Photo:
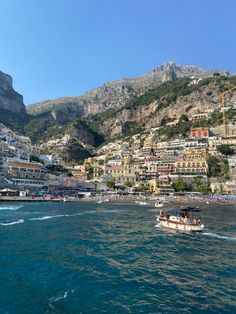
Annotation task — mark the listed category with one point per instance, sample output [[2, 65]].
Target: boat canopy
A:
[[189, 209]]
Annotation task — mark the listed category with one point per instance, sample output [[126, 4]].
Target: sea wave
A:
[[20, 221], [218, 236], [10, 207], [55, 216], [110, 211]]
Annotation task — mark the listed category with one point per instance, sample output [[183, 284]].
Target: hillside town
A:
[[201, 163]]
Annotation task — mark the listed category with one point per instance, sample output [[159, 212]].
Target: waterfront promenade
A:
[[150, 200]]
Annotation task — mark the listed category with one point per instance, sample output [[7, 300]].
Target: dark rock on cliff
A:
[[9, 99]]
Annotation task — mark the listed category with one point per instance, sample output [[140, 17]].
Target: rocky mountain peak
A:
[[170, 71], [167, 66]]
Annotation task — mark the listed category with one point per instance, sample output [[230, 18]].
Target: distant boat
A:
[[181, 220], [103, 201], [159, 204], [141, 203]]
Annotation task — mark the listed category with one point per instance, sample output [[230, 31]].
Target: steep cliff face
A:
[[9, 99], [127, 120], [168, 101]]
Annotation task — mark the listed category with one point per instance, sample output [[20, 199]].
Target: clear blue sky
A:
[[56, 48]]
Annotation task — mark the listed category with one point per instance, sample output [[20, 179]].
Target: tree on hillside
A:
[[225, 149], [197, 180], [213, 166], [141, 188], [129, 184], [58, 168], [35, 158], [183, 118], [180, 185], [110, 184], [217, 166], [204, 188]]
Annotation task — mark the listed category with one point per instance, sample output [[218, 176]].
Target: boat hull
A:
[[180, 226], [159, 205]]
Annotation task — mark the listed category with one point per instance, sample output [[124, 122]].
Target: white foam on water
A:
[[218, 236], [158, 226], [55, 216], [89, 211], [108, 211], [10, 207], [43, 218], [63, 295], [30, 213], [20, 221]]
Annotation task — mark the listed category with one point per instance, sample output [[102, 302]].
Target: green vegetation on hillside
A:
[[14, 120], [167, 93], [225, 149], [74, 151], [182, 129], [217, 167], [58, 168]]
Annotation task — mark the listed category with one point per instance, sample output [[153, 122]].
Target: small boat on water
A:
[[159, 204], [141, 203], [103, 201], [181, 220]]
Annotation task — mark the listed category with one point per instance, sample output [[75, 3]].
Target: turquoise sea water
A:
[[113, 258]]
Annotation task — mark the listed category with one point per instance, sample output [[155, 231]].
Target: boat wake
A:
[[210, 234], [10, 207], [218, 236], [20, 221], [55, 216], [62, 296]]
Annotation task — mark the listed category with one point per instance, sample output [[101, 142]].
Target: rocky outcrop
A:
[[10, 100], [127, 120], [203, 98]]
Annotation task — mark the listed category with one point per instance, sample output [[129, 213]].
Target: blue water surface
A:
[[85, 257]]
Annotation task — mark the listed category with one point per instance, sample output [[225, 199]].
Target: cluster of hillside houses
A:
[[142, 162]]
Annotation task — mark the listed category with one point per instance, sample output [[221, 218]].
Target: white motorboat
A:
[[159, 204], [103, 201], [141, 203], [181, 220]]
